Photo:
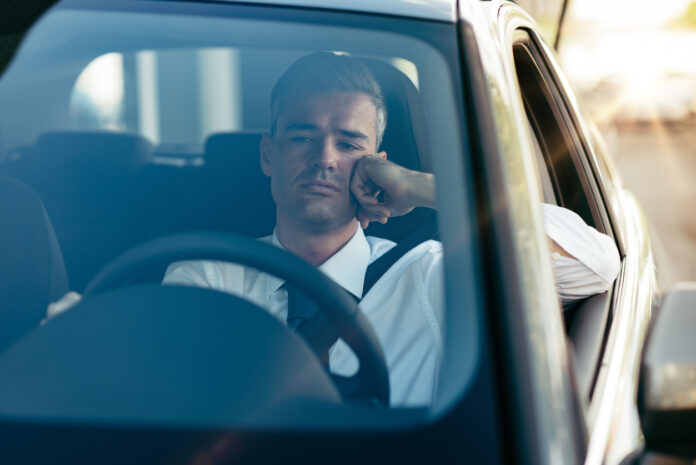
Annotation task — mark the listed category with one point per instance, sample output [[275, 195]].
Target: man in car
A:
[[329, 181]]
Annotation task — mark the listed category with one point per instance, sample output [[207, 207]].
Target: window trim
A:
[[593, 316]]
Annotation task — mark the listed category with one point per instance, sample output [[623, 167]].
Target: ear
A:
[[265, 149], [382, 155]]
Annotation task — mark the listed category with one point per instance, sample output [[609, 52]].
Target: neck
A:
[[313, 245]]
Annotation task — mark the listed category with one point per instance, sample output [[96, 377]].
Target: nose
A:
[[326, 156]]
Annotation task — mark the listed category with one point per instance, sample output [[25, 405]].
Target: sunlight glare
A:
[[102, 80]]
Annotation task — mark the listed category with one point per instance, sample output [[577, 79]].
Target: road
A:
[[659, 166]]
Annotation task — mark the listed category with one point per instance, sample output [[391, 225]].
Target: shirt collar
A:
[[347, 266]]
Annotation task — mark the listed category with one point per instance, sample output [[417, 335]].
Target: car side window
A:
[[562, 163], [548, 191]]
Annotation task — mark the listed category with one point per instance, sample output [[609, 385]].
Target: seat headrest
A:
[[234, 149], [94, 162], [110, 150], [405, 138], [405, 141], [234, 175]]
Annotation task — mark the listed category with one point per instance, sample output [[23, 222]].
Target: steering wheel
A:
[[340, 309]]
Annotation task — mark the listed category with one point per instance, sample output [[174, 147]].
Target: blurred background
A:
[[633, 64]]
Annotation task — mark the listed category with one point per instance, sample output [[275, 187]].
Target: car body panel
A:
[[438, 10], [543, 323], [614, 424]]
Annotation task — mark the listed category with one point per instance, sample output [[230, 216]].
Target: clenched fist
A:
[[384, 189]]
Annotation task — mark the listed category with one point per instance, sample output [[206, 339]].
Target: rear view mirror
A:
[[668, 376]]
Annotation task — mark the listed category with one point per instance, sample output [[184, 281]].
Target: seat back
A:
[[405, 141], [85, 179], [32, 272]]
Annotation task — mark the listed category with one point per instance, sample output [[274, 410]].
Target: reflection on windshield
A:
[[140, 138]]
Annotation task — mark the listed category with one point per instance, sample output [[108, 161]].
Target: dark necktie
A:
[[314, 327], [300, 307], [305, 319], [300, 310]]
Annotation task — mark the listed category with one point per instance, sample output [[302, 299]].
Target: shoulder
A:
[[378, 246], [425, 251]]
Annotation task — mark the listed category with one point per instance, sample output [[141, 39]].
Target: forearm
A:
[[422, 192]]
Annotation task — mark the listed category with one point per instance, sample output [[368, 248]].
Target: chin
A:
[[328, 218]]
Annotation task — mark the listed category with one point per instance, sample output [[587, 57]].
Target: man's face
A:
[[311, 156]]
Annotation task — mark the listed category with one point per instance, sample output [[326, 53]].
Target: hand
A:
[[384, 189]]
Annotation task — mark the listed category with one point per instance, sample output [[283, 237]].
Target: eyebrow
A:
[[353, 134], [313, 127], [301, 127]]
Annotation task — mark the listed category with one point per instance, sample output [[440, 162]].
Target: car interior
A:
[[94, 194]]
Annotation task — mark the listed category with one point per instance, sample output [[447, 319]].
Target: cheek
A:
[[285, 170], [349, 162]]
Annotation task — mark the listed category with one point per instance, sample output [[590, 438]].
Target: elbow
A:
[[610, 266]]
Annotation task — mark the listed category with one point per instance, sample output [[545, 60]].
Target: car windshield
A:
[[131, 125]]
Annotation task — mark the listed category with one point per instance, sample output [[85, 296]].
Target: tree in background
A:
[[688, 18]]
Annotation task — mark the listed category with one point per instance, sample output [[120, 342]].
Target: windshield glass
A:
[[134, 125]]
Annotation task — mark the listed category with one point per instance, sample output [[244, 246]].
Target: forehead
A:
[[330, 111]]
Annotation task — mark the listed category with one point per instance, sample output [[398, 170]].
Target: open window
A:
[[567, 180]]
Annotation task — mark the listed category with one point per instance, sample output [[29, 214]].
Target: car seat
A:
[[32, 272], [85, 179], [233, 175], [405, 141]]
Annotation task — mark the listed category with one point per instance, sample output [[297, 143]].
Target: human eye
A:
[[299, 139], [349, 146]]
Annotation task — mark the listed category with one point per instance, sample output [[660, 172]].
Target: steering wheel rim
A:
[[341, 310]]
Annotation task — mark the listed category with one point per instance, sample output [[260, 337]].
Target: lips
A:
[[320, 187]]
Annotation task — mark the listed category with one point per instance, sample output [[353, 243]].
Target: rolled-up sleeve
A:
[[595, 263]]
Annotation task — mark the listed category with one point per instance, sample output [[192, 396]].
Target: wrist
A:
[[422, 189]]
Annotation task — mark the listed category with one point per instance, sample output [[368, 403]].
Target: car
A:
[[129, 135]]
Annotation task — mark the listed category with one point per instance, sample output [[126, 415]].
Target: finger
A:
[[376, 210], [361, 180], [364, 189], [363, 219], [367, 201]]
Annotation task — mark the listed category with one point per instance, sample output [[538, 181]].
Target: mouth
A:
[[318, 186]]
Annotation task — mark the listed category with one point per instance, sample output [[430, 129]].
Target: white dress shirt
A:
[[406, 308], [596, 261]]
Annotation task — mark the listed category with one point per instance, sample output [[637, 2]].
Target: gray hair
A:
[[326, 72]]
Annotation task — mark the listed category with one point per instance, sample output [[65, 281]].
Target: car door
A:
[[605, 332]]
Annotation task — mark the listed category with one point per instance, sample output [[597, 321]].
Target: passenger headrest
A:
[[112, 150], [239, 150], [91, 160], [234, 173]]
